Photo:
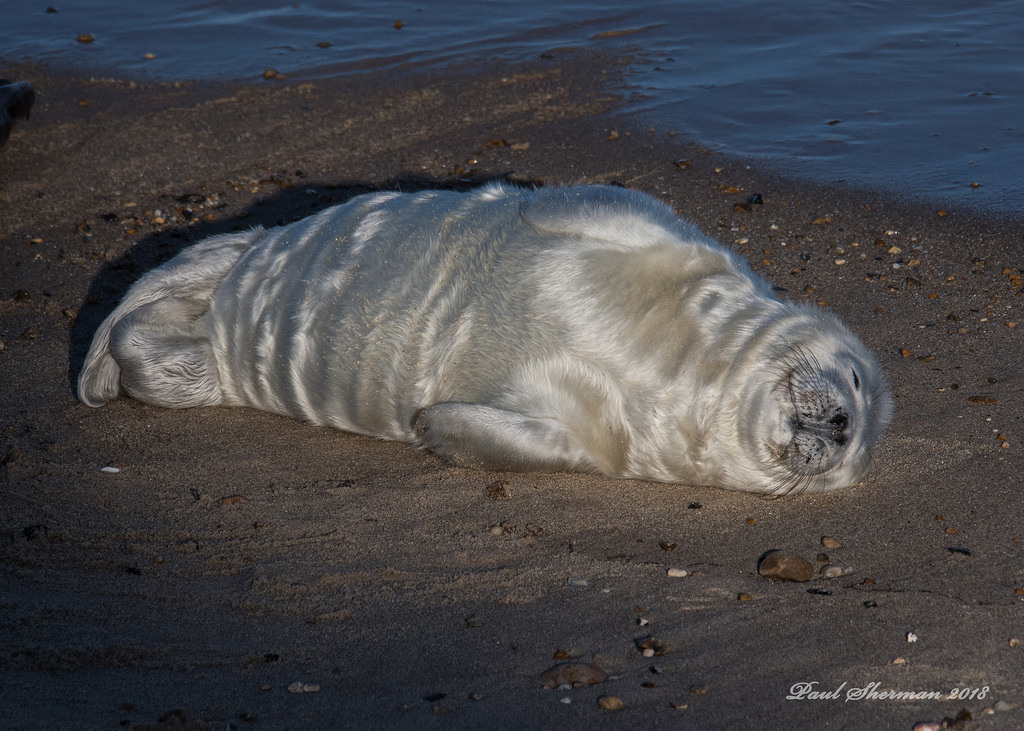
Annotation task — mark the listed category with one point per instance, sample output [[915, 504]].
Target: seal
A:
[[578, 328]]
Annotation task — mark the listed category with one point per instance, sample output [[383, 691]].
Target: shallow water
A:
[[923, 98]]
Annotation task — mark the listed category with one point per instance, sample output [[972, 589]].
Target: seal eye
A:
[[856, 380]]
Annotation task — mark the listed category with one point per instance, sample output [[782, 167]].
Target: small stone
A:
[[678, 706], [1014, 642], [831, 572], [1002, 706], [476, 696], [573, 674], [300, 687], [744, 597], [651, 646], [610, 703], [666, 546], [911, 637], [928, 726], [578, 581], [677, 573], [702, 689], [785, 567], [474, 622], [496, 530], [829, 542], [498, 490], [900, 661], [110, 469], [565, 699]]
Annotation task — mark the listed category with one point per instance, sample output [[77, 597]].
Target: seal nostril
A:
[[839, 421]]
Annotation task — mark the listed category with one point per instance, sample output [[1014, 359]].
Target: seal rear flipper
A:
[[153, 345], [165, 355], [473, 435]]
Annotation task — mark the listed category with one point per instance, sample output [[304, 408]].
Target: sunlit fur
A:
[[582, 328]]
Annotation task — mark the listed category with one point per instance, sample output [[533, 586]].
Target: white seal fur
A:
[[581, 328]]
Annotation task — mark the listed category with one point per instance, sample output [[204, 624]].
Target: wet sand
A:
[[237, 554]]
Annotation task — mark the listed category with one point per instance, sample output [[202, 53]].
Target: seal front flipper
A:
[[473, 435]]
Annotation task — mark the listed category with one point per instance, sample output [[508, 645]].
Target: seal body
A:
[[581, 328]]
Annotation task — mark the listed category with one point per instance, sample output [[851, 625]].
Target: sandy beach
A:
[[243, 570]]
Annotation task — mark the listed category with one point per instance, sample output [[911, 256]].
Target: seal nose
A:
[[833, 430], [839, 422]]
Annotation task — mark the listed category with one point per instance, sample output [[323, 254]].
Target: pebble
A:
[[829, 542], [110, 469], [573, 674], [651, 646], [677, 573], [300, 687], [911, 637], [929, 726], [610, 703], [1002, 706], [785, 567], [499, 491], [831, 572], [578, 581]]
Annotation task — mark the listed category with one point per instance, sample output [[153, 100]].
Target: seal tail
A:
[[154, 345]]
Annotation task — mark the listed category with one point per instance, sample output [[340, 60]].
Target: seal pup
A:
[[575, 328]]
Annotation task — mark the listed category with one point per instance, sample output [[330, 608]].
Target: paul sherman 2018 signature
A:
[[807, 690]]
